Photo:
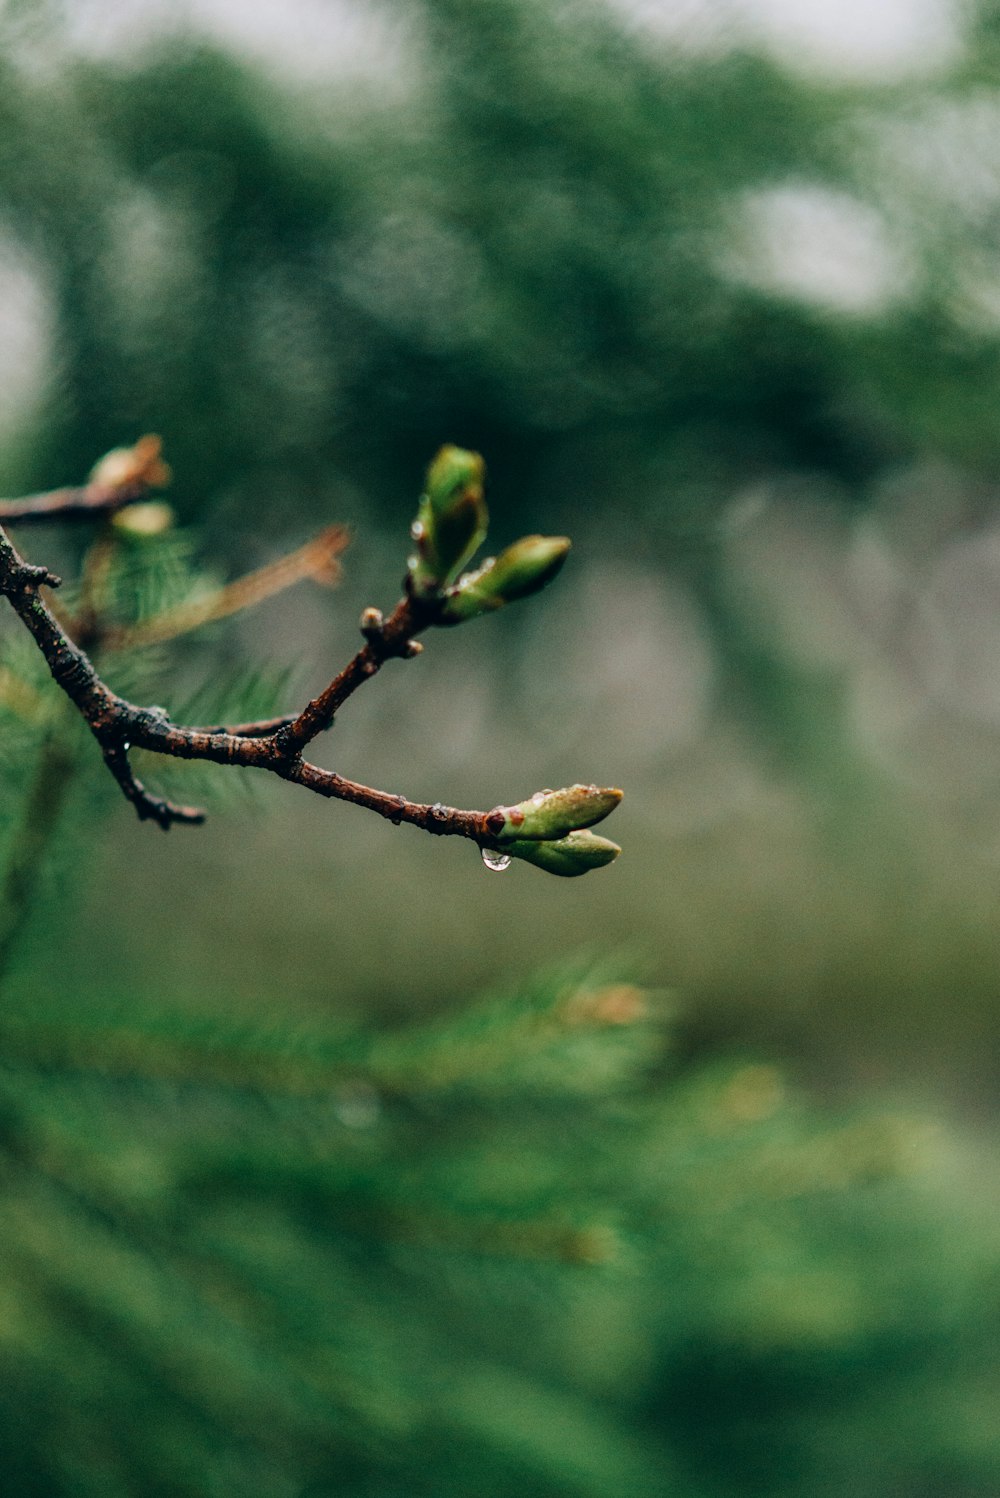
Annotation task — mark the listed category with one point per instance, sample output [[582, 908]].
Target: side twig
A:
[[317, 559], [122, 477]]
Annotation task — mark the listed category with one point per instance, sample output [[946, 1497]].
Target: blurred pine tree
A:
[[511, 1248], [518, 1247]]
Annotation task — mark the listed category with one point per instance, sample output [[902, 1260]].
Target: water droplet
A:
[[397, 816], [417, 531], [494, 860], [126, 745]]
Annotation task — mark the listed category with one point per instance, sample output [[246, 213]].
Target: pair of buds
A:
[[449, 529], [551, 829]]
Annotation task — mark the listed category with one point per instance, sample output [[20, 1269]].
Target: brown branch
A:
[[386, 638], [258, 730], [148, 807], [121, 478], [86, 503], [119, 725]]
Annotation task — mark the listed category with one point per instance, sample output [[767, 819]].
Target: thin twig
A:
[[121, 478], [393, 637], [317, 559], [85, 503], [148, 807]]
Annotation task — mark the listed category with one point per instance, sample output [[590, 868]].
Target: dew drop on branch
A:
[[494, 860]]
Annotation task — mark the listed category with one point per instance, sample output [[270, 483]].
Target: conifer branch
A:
[[317, 559], [549, 831]]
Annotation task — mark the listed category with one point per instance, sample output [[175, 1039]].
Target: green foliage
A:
[[533, 251], [516, 1246]]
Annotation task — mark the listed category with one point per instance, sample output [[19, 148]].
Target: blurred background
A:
[[714, 286]]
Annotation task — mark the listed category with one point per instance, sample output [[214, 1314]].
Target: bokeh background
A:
[[715, 288]]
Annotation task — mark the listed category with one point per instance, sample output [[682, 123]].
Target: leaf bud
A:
[[522, 569], [371, 623], [150, 519], [551, 814], [576, 853], [451, 519], [140, 466]]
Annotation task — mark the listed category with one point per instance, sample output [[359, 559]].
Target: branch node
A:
[[372, 624], [30, 579]]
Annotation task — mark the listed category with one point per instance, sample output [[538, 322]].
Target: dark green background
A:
[[733, 325]]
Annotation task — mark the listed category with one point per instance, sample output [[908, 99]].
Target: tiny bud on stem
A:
[[451, 520]]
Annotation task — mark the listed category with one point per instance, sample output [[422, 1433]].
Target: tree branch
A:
[[386, 638], [122, 477], [317, 559], [119, 725], [552, 830], [86, 503], [148, 807]]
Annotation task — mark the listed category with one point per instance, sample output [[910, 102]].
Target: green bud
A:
[[151, 518], [551, 814], [139, 466], [570, 856], [517, 572], [453, 473], [451, 520]]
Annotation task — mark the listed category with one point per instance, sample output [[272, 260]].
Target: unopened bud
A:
[[150, 519], [139, 466], [451, 520], [576, 853], [371, 623], [522, 569], [551, 814]]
